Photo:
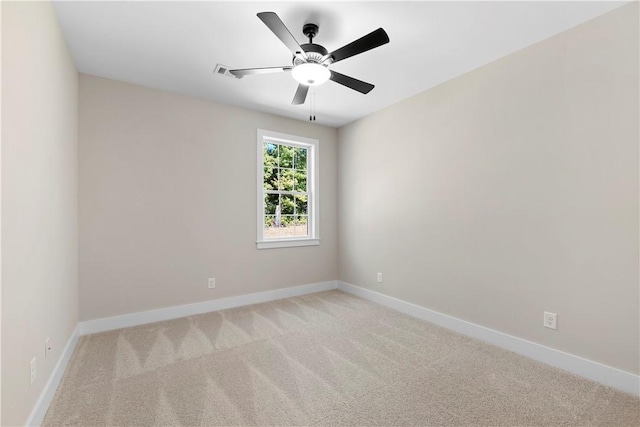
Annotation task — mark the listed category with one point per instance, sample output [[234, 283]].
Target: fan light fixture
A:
[[311, 74]]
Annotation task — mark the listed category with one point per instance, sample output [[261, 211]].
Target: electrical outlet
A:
[[34, 371], [212, 282], [550, 320], [379, 277], [47, 347]]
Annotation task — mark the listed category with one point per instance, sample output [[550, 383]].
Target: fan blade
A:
[[250, 71], [351, 83], [278, 28], [372, 40], [301, 95]]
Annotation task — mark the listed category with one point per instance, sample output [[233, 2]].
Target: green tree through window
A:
[[286, 197]]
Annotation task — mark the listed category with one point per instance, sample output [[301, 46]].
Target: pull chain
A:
[[312, 106]]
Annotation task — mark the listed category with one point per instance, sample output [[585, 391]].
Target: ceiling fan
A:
[[311, 61]]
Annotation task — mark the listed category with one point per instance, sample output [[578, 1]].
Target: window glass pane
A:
[[287, 221], [300, 158], [286, 179], [286, 156], [286, 227], [269, 221], [300, 183], [301, 227], [270, 204], [301, 204], [270, 178], [270, 154], [287, 204]]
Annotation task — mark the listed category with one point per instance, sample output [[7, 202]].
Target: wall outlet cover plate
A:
[[550, 320]]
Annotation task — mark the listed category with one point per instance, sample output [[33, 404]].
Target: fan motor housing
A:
[[314, 52]]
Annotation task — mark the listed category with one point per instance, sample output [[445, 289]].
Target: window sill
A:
[[286, 243]]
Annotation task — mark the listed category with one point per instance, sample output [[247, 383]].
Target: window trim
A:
[[313, 157]]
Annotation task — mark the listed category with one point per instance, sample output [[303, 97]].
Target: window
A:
[[287, 190]]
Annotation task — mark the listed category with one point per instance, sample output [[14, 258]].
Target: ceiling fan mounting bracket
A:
[[310, 30]]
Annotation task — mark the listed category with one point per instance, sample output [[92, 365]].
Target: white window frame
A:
[[313, 207]]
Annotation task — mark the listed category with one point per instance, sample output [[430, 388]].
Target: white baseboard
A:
[[589, 369], [168, 313], [42, 405]]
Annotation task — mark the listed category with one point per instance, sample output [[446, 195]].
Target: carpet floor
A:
[[322, 359]]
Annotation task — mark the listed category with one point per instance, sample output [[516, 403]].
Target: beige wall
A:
[[509, 191], [167, 199], [39, 201]]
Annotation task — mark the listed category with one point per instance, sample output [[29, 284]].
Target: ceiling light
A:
[[311, 74]]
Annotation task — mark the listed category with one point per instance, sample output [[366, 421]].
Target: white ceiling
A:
[[175, 46]]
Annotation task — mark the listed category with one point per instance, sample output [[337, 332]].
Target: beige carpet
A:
[[322, 359]]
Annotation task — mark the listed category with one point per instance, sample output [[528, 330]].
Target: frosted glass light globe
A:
[[311, 74]]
